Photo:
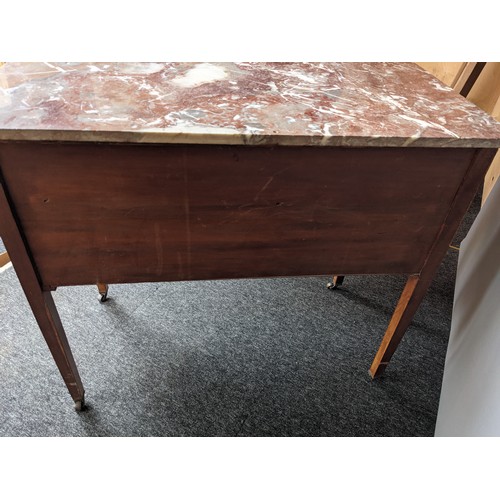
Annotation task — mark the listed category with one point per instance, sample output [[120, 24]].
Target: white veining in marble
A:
[[200, 74], [324, 104]]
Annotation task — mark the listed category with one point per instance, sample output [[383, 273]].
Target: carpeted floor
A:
[[275, 357]]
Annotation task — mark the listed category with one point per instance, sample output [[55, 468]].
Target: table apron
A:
[[124, 213]]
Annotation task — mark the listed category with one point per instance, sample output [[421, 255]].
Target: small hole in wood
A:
[[46, 200]]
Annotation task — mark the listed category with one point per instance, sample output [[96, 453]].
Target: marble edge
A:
[[165, 137]]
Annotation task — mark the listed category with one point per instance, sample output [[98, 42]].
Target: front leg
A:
[[336, 282], [40, 301], [413, 293], [103, 290]]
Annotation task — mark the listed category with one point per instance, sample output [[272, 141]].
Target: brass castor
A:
[[103, 291], [80, 405], [335, 283]]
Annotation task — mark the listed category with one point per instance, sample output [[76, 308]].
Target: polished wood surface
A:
[[483, 89], [4, 259], [77, 214], [417, 285], [136, 172], [119, 214], [41, 302]]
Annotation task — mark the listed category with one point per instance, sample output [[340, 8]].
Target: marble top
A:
[[323, 104]]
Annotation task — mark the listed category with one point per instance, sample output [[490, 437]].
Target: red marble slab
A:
[[331, 104]]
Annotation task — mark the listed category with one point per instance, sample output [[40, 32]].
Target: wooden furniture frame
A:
[[95, 213], [467, 77], [4, 259], [479, 82]]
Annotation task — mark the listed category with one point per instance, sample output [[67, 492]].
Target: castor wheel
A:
[[335, 283], [80, 405], [103, 291]]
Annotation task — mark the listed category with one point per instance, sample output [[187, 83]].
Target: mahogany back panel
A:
[[118, 213]]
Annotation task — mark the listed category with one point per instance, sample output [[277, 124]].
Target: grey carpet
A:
[[274, 357]]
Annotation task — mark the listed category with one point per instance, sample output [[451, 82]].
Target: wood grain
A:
[[461, 76], [101, 213], [400, 321], [4, 259], [468, 78], [128, 213], [41, 302], [485, 93], [447, 72], [417, 285], [491, 177]]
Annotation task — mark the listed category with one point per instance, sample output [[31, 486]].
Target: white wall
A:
[[470, 395]]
